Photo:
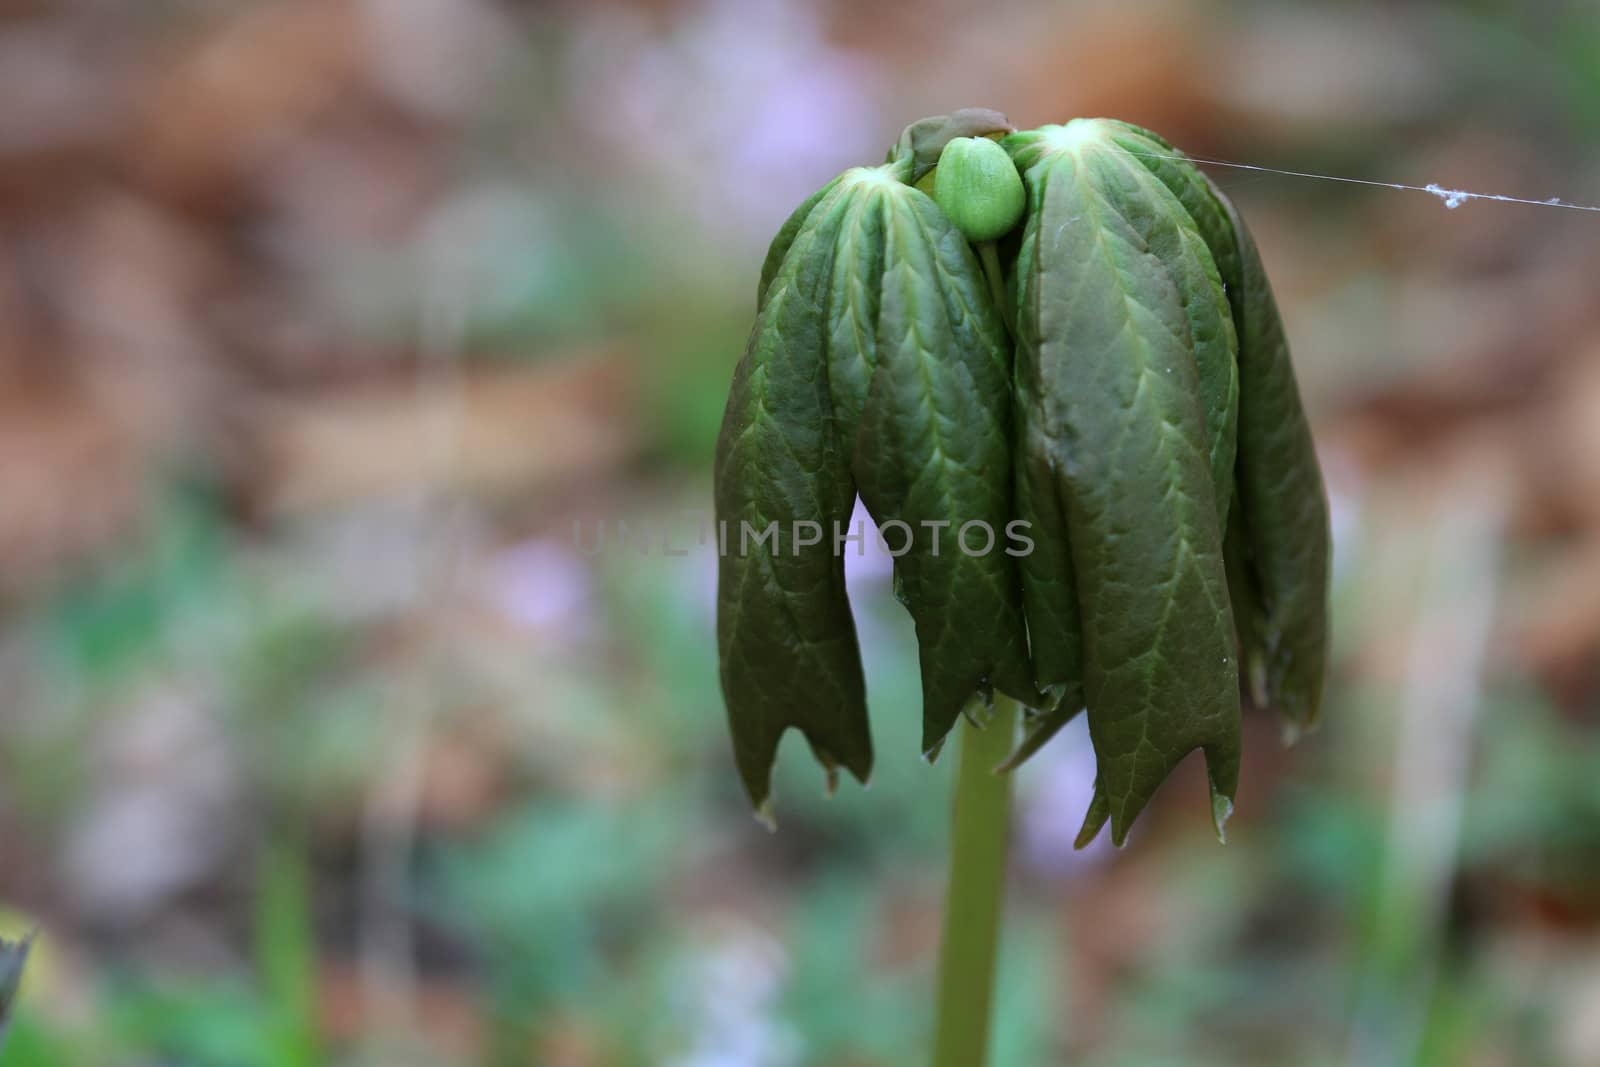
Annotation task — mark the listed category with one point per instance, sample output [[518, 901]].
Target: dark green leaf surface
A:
[[880, 362], [1118, 415], [784, 629], [1283, 508], [1196, 193], [778, 251], [933, 446], [855, 296], [1284, 645], [1193, 190], [1186, 237], [1170, 230], [1050, 596]]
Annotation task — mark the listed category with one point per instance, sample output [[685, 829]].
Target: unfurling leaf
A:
[[784, 629]]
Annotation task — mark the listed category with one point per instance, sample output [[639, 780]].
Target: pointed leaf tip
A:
[[1292, 733], [1221, 812], [1094, 819]]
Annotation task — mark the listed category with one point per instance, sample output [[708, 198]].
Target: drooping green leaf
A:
[[784, 628], [932, 447], [878, 360], [1284, 645], [1185, 236], [1282, 505], [1050, 595], [1176, 235], [1110, 344], [1167, 162]]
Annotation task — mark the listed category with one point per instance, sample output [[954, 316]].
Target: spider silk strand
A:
[[1453, 198]]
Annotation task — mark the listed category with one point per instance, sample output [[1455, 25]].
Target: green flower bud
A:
[[978, 186]]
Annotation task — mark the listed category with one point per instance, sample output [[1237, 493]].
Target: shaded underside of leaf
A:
[[1281, 503], [1249, 614], [787, 640], [1117, 413]]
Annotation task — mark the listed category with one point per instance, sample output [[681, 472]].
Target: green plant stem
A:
[[989, 259], [978, 841]]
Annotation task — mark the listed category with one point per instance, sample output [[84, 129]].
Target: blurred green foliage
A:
[[606, 900]]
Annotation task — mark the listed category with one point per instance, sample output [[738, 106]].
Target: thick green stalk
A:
[[978, 841]]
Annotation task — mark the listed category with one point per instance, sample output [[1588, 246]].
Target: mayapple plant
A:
[[1065, 331]]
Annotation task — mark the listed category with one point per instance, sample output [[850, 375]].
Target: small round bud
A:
[[978, 187]]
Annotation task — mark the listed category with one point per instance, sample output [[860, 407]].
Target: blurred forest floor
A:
[[323, 324]]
